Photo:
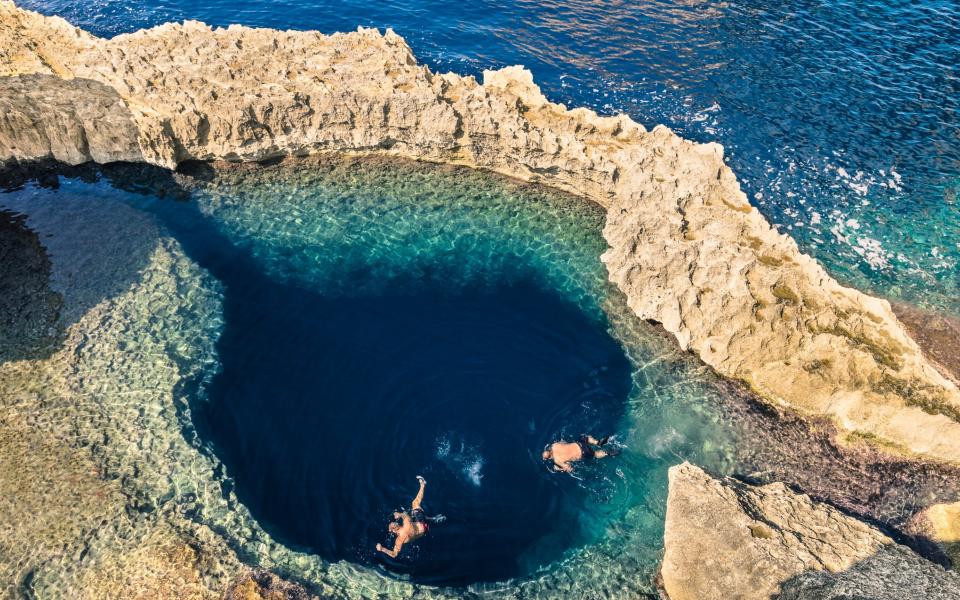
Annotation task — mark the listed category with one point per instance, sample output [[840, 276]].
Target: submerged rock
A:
[[726, 539], [264, 585], [685, 245]]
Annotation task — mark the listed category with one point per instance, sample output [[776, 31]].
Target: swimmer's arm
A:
[[397, 545]]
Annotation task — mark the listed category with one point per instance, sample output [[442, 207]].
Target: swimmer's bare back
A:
[[564, 454]]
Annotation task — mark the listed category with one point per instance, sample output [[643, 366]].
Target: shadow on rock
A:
[[28, 307], [892, 573], [61, 255]]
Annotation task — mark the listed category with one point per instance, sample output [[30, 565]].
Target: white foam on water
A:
[[664, 441], [443, 447], [472, 471], [460, 457]]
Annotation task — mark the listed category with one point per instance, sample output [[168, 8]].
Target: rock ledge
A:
[[725, 539]]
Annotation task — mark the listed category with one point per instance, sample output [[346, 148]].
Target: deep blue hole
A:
[[327, 408]]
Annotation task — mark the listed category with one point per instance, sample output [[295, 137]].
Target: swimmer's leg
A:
[[416, 501], [592, 440]]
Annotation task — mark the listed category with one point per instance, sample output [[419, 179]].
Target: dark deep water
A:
[[328, 405], [326, 409]]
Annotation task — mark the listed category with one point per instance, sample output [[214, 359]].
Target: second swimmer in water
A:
[[563, 454]]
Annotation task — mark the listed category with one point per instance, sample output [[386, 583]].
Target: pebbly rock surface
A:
[[685, 245], [725, 539]]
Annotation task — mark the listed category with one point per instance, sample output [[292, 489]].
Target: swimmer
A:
[[563, 454], [412, 525]]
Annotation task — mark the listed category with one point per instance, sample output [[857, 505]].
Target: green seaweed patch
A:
[[743, 208], [871, 439], [932, 403], [784, 293], [816, 366], [882, 356], [770, 261]]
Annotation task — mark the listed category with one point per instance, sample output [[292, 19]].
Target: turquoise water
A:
[[377, 332], [840, 118]]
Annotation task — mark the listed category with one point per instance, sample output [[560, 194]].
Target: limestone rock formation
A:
[[725, 539], [686, 247], [71, 121]]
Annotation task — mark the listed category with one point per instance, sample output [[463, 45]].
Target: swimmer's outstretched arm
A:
[[397, 545]]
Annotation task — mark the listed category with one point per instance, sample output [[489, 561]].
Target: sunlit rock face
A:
[[727, 539], [685, 245]]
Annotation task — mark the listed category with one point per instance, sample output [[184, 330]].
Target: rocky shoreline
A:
[[686, 248], [784, 545]]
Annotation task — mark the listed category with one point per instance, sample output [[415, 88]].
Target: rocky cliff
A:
[[686, 247], [725, 539]]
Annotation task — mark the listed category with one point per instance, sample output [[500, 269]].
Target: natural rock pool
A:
[[374, 335], [273, 352]]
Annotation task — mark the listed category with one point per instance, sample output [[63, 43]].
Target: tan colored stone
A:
[[686, 247], [263, 585], [727, 540], [940, 524]]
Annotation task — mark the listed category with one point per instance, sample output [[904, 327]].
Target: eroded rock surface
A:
[[67, 120], [725, 539], [685, 245]]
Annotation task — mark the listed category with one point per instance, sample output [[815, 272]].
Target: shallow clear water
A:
[[840, 118]]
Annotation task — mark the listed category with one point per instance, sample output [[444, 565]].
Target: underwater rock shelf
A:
[[685, 248]]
